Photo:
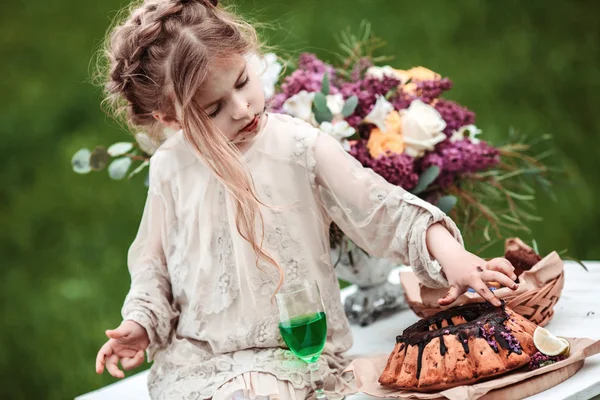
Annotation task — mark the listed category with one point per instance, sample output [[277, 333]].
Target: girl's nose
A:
[[240, 108]]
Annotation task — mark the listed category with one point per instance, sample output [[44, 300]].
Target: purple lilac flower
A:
[[431, 90], [360, 68], [453, 159], [455, 115], [430, 159], [354, 121], [348, 89], [367, 91], [488, 335], [304, 80], [397, 169], [445, 180], [539, 360], [401, 100], [308, 76], [513, 343], [310, 63], [276, 102], [477, 156]]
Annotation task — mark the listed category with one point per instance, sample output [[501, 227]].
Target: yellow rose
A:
[[393, 123], [416, 74], [419, 74], [410, 88], [391, 141]]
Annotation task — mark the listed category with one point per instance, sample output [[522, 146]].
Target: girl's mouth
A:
[[252, 125]]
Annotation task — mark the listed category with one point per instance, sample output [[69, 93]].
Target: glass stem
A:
[[316, 380]]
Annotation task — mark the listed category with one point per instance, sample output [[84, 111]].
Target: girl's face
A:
[[233, 97]]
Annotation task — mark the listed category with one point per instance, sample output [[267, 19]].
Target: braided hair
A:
[[158, 58]]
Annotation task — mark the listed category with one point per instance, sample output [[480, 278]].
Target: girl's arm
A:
[[149, 301], [387, 221]]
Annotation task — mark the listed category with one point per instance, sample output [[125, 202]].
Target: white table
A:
[[577, 314]]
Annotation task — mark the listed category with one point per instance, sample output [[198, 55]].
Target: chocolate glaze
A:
[[478, 316]]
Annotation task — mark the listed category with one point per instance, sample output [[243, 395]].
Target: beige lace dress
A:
[[195, 286]]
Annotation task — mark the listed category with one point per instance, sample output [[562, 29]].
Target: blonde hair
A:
[[156, 59]]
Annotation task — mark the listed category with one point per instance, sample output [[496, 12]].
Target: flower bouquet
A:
[[396, 122]]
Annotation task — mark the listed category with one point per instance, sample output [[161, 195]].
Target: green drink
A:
[[303, 326], [305, 335]]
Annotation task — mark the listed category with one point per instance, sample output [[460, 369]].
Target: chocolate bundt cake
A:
[[459, 346]]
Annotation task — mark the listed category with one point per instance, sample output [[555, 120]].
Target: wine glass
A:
[[303, 326]]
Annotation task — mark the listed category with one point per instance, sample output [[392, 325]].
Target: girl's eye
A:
[[241, 85], [214, 113]]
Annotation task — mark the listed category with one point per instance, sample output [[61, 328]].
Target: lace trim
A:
[[200, 381]]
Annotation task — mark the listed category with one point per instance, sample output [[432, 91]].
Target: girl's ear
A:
[[167, 120]]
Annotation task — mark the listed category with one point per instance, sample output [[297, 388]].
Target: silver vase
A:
[[375, 295]]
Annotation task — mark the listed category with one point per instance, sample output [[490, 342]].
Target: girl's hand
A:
[[126, 344], [467, 270], [464, 270]]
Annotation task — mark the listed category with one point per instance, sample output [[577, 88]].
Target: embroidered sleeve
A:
[[149, 301], [381, 218]]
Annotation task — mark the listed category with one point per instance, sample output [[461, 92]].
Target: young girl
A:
[[239, 203]]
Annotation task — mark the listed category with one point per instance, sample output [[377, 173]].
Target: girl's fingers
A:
[[113, 368], [130, 363], [451, 296], [502, 265], [486, 293], [128, 352], [104, 352], [120, 333], [493, 276]]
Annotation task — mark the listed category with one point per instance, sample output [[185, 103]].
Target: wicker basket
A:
[[538, 292]]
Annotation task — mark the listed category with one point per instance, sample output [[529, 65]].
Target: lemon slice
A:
[[549, 344]]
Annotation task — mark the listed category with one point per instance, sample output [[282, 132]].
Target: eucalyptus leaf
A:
[[486, 232], [139, 169], [535, 246], [577, 261], [320, 109], [99, 158], [426, 179], [518, 196], [320, 102], [118, 168], [447, 203], [325, 84], [349, 106], [81, 161], [120, 148]]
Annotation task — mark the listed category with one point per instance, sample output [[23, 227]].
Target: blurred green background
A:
[[529, 65]]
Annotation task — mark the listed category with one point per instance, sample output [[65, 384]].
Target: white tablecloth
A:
[[577, 314]]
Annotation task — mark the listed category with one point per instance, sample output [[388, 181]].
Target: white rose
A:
[[341, 131], [381, 72], [335, 103], [379, 113], [422, 128], [268, 69], [300, 106], [466, 132]]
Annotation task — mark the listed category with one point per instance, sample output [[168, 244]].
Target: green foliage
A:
[[350, 106], [65, 237], [426, 178]]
